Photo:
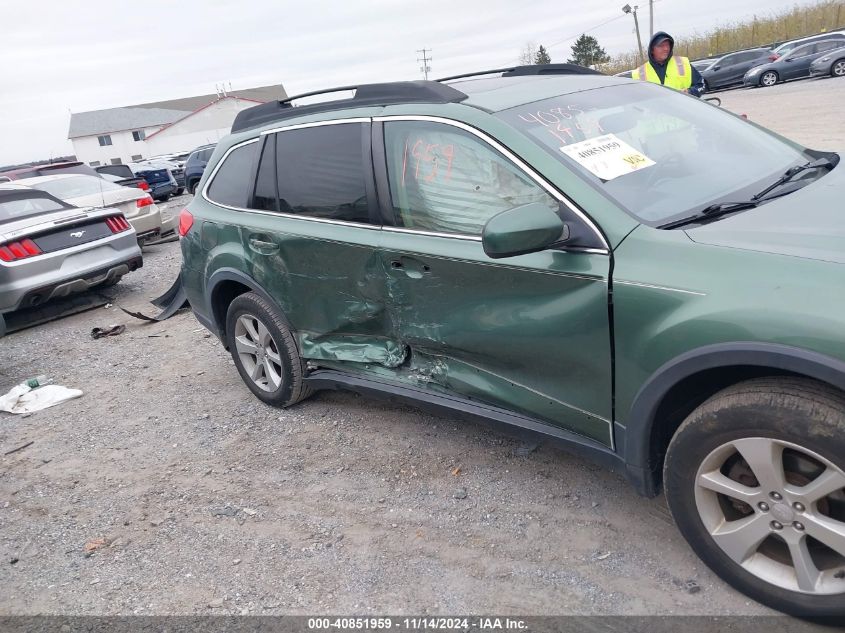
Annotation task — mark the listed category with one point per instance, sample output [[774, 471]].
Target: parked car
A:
[[122, 175], [195, 166], [787, 47], [730, 70], [50, 249], [159, 178], [175, 167], [703, 64], [831, 63], [69, 167], [89, 191], [794, 65], [645, 277]]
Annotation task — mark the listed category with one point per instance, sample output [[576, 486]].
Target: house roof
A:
[[117, 119], [158, 113], [185, 115], [190, 104]]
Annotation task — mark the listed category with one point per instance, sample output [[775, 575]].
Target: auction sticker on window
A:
[[607, 156]]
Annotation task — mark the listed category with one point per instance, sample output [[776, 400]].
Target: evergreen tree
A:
[[587, 52]]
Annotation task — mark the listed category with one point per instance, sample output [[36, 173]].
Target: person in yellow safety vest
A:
[[672, 71]]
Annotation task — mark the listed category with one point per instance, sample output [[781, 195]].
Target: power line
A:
[[589, 30], [584, 31]]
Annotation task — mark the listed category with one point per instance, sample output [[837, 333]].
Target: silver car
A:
[[50, 249]]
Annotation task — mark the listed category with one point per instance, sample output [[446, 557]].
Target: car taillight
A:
[[117, 224], [144, 202], [13, 251], [186, 221], [143, 186]]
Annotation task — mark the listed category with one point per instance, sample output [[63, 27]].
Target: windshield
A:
[[20, 205], [658, 153], [77, 186]]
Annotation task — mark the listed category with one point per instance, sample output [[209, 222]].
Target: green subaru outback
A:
[[653, 281]]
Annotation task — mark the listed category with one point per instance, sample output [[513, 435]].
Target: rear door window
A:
[[232, 184], [321, 172]]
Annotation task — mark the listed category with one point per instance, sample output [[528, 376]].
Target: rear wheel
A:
[[265, 352], [769, 78], [838, 68], [755, 478]]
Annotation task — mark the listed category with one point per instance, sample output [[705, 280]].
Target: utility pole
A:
[[627, 9], [650, 19], [425, 68]]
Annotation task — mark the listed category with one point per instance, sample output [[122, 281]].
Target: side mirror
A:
[[525, 229]]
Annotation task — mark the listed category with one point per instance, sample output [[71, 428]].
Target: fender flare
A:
[[231, 274], [641, 418]]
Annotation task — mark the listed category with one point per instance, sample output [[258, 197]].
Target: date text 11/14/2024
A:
[[422, 623]]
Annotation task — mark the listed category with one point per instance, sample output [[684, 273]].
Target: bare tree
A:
[[528, 54]]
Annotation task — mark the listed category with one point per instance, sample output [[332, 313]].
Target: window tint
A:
[[19, 205], [265, 181], [747, 57], [803, 50], [232, 182], [446, 180], [727, 61], [320, 172], [828, 46], [206, 154]]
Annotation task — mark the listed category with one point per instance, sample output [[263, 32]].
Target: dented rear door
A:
[[312, 241]]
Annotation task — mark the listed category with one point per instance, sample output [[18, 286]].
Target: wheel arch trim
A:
[[636, 450]]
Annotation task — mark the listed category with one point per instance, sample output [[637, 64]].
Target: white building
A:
[[131, 133]]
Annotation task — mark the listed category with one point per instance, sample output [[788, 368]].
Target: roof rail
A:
[[367, 94], [535, 69]]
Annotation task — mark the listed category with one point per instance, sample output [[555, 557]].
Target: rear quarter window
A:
[[232, 183]]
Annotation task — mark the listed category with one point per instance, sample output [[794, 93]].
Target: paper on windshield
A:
[[607, 156]]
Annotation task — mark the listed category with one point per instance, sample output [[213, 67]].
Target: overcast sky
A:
[[62, 56]]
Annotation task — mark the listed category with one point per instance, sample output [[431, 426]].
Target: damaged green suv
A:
[[654, 281]]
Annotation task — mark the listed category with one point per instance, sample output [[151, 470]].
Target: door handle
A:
[[262, 246], [411, 267]]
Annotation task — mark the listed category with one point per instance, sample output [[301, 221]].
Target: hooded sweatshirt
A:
[[697, 86]]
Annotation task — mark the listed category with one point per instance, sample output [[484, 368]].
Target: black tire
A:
[[795, 410], [179, 191], [292, 387], [192, 188], [164, 198], [837, 68]]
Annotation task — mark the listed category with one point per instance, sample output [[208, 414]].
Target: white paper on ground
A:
[[22, 399], [607, 156]]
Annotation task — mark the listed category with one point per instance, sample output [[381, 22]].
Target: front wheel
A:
[[769, 78], [838, 68], [755, 479], [264, 351]]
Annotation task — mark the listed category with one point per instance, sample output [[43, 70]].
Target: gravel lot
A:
[[208, 501]]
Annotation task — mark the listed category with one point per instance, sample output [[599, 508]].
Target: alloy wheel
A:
[[777, 510], [258, 352], [769, 79], [839, 68]]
